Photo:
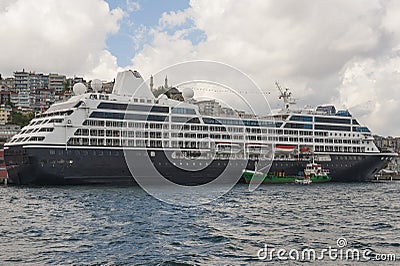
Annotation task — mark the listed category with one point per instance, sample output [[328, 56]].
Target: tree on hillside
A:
[[20, 119], [66, 85]]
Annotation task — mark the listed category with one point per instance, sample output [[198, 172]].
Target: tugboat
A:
[[312, 173]]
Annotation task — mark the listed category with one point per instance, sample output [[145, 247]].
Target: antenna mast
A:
[[286, 95]]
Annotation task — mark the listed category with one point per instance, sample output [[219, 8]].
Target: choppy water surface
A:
[[94, 225]]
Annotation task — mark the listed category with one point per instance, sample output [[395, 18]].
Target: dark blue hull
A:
[[60, 166]]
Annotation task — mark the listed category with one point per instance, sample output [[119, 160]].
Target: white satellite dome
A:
[[96, 85], [187, 93], [79, 88], [162, 99]]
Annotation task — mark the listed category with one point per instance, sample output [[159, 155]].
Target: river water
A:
[[99, 225]]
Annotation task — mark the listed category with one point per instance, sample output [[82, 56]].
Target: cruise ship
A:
[[98, 138]]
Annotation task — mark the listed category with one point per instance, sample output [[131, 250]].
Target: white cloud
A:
[[347, 52], [173, 19], [132, 6], [106, 67], [66, 36], [307, 45], [371, 90]]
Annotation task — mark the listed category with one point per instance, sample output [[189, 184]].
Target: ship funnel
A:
[[130, 83]]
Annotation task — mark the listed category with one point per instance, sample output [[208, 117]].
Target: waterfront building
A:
[[5, 97], [5, 112], [56, 82]]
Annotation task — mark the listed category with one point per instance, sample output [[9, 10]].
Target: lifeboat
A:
[[305, 149], [285, 148], [227, 147], [258, 148]]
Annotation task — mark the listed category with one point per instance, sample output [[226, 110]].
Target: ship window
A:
[[93, 132], [330, 120], [160, 109], [180, 119], [330, 127], [158, 118], [179, 110], [56, 120], [113, 106], [78, 104], [343, 113], [361, 129], [116, 124], [298, 125], [107, 115], [251, 123], [115, 142], [37, 139], [211, 121], [301, 118], [46, 129]]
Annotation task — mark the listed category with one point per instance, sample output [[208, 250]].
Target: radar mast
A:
[[286, 95]]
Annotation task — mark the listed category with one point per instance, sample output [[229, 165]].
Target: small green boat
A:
[[313, 173]]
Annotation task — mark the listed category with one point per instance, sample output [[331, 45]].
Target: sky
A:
[[342, 52]]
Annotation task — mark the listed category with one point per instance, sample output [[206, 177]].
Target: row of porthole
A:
[[85, 153], [187, 164], [58, 162], [326, 165]]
